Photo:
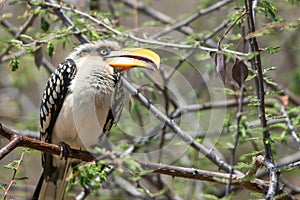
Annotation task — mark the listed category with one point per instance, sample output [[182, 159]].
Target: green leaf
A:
[[15, 42], [269, 9], [16, 2], [11, 165], [21, 178], [50, 49], [257, 195], [226, 91], [243, 165], [271, 49], [14, 63], [250, 154], [270, 81], [202, 56], [94, 35], [3, 186], [233, 36], [225, 145], [269, 69], [209, 196], [26, 37], [44, 24]]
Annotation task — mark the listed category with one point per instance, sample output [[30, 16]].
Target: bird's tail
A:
[[53, 187]]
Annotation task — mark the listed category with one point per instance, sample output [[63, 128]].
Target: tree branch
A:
[[190, 19], [23, 141], [256, 64]]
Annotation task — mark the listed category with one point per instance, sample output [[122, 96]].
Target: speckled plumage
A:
[[52, 100]]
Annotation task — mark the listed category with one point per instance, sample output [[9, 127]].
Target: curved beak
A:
[[128, 58]]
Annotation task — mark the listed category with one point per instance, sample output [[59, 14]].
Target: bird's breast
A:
[[82, 117]]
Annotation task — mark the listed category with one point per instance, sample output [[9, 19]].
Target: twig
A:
[[15, 169], [281, 167], [259, 162], [289, 124], [184, 46], [197, 174], [216, 30], [230, 28], [65, 18], [156, 14], [278, 87], [67, 21], [190, 19], [10, 146], [211, 105], [179, 63]]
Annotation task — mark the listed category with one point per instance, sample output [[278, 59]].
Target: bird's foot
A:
[[65, 150]]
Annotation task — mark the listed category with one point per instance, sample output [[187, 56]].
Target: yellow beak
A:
[[128, 58]]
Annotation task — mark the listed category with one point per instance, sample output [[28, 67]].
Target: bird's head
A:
[[119, 58]]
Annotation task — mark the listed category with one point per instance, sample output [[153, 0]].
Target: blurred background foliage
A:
[[22, 80]]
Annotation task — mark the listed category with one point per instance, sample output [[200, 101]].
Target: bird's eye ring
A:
[[104, 51]]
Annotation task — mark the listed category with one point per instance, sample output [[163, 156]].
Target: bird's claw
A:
[[65, 150]]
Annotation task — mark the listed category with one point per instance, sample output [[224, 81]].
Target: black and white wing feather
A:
[[117, 104], [54, 94]]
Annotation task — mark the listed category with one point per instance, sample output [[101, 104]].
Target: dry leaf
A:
[[239, 71]]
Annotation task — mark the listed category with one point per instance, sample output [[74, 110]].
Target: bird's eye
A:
[[104, 51]]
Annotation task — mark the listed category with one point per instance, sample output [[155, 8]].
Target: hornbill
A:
[[82, 99]]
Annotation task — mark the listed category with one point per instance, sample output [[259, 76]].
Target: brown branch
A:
[[23, 141]]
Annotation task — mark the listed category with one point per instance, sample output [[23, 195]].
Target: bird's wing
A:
[[116, 105], [53, 97]]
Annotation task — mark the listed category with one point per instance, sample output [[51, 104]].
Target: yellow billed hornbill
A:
[[81, 101]]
